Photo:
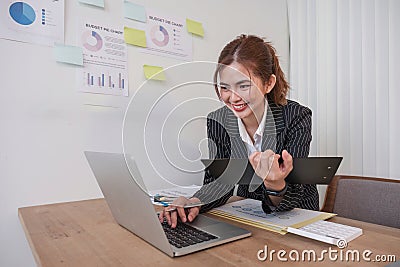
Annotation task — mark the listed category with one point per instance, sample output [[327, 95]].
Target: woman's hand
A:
[[266, 166], [176, 209]]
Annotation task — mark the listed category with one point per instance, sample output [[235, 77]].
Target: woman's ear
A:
[[270, 83]]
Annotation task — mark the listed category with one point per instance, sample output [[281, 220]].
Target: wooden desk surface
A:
[[84, 233]]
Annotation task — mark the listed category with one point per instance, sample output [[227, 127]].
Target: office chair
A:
[[368, 199]]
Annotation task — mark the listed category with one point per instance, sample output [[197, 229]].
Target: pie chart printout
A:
[[157, 31], [92, 41], [22, 13]]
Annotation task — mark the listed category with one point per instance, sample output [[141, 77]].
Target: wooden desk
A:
[[84, 233]]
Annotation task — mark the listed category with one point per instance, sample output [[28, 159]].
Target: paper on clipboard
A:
[[249, 211]]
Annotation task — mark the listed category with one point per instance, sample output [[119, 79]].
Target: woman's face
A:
[[243, 94]]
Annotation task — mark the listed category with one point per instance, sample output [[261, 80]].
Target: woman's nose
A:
[[234, 96]]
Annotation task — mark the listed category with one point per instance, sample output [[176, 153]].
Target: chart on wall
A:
[[167, 36], [32, 21], [104, 60]]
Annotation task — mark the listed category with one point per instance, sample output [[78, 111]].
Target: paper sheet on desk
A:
[[249, 211], [174, 192]]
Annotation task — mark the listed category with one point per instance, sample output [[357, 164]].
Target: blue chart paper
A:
[[22, 13], [134, 11], [32, 21], [68, 54]]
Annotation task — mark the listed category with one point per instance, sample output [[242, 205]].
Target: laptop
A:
[[132, 209], [311, 170]]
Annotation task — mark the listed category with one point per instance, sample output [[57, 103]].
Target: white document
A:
[[250, 209], [105, 60], [32, 21], [174, 192], [167, 36]]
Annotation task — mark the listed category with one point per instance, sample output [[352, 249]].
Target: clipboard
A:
[[311, 170]]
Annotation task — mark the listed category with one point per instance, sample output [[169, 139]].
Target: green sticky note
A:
[[68, 54], [195, 27], [135, 37], [154, 72], [99, 3], [134, 11]]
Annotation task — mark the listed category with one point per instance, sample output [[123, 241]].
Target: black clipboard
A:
[[311, 170]]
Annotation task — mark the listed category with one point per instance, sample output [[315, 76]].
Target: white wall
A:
[[46, 124]]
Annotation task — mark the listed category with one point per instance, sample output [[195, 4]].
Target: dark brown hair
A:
[[259, 57]]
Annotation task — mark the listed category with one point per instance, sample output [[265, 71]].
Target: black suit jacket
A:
[[287, 127]]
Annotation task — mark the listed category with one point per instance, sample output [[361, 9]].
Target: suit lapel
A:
[[238, 148], [273, 127], [275, 124]]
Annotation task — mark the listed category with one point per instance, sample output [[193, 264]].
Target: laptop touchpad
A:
[[203, 221]]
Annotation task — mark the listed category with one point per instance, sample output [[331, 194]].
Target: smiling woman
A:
[[258, 123], [244, 94]]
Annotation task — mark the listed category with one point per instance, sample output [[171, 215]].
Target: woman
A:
[[253, 88]]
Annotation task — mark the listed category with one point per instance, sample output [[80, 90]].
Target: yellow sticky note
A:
[[135, 37], [195, 27], [154, 72]]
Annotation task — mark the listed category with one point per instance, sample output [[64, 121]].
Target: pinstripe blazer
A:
[[287, 127]]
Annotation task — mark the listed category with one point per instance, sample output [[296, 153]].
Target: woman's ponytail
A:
[[281, 88]]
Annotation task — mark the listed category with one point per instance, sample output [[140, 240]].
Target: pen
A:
[[163, 199], [165, 204], [190, 205]]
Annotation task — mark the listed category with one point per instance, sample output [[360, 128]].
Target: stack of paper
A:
[[172, 193], [249, 211]]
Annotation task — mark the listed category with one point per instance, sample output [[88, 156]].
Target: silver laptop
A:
[[133, 209]]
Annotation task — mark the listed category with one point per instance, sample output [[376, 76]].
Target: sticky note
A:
[[134, 11], [194, 27], [68, 54], [99, 3], [135, 37], [158, 72]]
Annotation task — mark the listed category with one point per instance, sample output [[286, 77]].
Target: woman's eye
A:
[[224, 88], [244, 86]]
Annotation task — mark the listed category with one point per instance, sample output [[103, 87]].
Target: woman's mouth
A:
[[240, 107]]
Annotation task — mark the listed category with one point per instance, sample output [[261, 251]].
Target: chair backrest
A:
[[368, 199]]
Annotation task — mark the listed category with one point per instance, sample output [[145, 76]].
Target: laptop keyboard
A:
[[185, 235]]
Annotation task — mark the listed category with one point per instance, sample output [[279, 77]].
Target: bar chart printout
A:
[[105, 81], [104, 60]]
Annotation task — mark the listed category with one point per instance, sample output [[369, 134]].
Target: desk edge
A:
[[28, 237]]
